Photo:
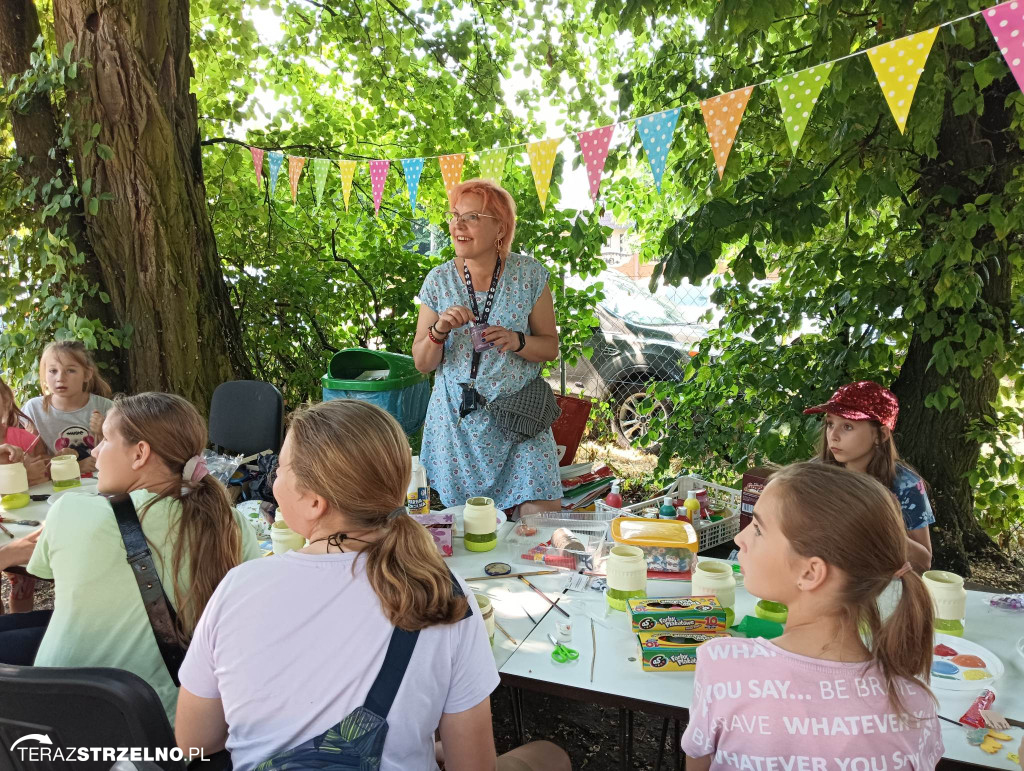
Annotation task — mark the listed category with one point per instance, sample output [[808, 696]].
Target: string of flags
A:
[[898, 66]]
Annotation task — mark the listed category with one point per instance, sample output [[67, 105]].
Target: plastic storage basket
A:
[[592, 533], [389, 380], [709, 534]]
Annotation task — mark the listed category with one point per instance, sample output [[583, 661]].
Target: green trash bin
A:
[[389, 380]]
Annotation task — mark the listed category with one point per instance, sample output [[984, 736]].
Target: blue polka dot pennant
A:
[[412, 167], [656, 133], [275, 160]]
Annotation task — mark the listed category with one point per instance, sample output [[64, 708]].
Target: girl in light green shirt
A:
[[151, 449]]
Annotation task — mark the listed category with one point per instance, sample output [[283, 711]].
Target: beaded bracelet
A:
[[430, 334]]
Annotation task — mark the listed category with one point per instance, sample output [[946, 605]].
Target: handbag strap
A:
[[396, 661], [162, 617]]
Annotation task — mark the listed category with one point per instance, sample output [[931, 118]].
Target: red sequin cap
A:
[[863, 400]]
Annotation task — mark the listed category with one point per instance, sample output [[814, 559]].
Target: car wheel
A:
[[629, 422]]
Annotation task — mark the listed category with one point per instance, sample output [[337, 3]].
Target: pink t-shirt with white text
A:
[[757, 707]]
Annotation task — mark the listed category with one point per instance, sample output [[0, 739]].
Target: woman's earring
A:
[[497, 246]]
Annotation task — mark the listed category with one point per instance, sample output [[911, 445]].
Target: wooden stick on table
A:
[[502, 629], [514, 575], [593, 641]]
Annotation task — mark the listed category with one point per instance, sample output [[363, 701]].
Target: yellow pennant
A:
[[898, 67], [348, 170], [542, 162]]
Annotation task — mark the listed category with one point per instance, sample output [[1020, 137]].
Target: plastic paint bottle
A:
[[692, 506], [667, 510], [418, 495], [614, 498]]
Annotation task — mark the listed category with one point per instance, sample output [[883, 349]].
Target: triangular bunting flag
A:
[[722, 116], [451, 170], [295, 165], [378, 175], [257, 164], [492, 164], [594, 144], [1006, 22], [274, 161], [412, 167], [348, 170], [542, 161], [320, 167], [656, 131], [898, 67], [798, 93]]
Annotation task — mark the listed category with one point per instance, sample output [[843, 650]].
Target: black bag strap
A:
[[162, 617], [396, 661]]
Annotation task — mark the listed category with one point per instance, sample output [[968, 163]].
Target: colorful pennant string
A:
[[378, 175], [594, 146], [898, 66], [542, 162], [722, 116], [257, 164], [1006, 22], [274, 161], [413, 168], [348, 171], [295, 165], [798, 93]]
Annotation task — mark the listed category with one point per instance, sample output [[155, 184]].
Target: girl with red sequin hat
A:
[[857, 434]]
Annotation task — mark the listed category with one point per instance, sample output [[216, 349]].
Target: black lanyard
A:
[[480, 318]]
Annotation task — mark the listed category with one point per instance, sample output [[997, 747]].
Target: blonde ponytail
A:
[[355, 456]]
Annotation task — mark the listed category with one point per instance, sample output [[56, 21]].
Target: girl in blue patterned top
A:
[[857, 434], [469, 455]]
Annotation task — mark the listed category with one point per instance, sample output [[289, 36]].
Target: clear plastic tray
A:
[[590, 532]]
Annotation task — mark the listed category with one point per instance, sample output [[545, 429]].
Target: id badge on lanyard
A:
[[471, 398]]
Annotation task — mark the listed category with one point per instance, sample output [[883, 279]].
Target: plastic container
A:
[[668, 545], [480, 519], [418, 496], [65, 472], [626, 569], [487, 613], [692, 506], [389, 380], [771, 611], [614, 498], [949, 601], [13, 486], [725, 500], [716, 579], [667, 510], [284, 539], [532, 539]]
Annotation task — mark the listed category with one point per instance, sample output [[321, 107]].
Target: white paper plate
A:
[[457, 512], [89, 487], [994, 665]]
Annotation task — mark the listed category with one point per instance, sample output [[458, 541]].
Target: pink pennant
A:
[[378, 174], [594, 144], [257, 163], [1006, 21]]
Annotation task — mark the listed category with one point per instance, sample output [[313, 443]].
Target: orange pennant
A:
[[722, 116], [295, 165], [451, 171]]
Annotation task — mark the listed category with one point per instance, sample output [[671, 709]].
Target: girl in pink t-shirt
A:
[[826, 542]]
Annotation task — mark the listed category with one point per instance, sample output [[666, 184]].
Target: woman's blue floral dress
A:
[[474, 457]]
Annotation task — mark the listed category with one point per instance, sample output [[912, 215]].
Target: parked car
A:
[[641, 338]]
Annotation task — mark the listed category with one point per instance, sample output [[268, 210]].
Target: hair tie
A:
[[195, 469], [901, 572], [395, 514]]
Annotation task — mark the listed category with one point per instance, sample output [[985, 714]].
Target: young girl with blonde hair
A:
[[293, 644], [826, 542], [69, 414]]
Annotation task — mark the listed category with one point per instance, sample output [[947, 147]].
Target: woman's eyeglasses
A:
[[470, 218]]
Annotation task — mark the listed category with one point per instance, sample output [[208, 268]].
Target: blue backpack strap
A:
[[396, 661]]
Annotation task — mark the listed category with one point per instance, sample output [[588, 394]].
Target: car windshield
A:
[[634, 303]]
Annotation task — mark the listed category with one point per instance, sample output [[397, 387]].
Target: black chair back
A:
[[246, 417], [46, 709]]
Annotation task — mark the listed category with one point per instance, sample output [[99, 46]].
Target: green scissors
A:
[[561, 653]]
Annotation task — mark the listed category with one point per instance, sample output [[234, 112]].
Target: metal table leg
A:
[[661, 744]]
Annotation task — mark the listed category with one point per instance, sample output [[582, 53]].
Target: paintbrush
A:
[[593, 641], [529, 616], [500, 628], [550, 602], [514, 575], [8, 532]]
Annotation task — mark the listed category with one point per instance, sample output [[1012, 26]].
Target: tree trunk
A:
[[938, 443], [154, 240], [35, 135]]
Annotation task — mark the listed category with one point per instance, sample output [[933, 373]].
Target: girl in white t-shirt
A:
[[290, 645]]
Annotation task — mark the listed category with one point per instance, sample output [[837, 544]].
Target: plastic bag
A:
[[222, 467]]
